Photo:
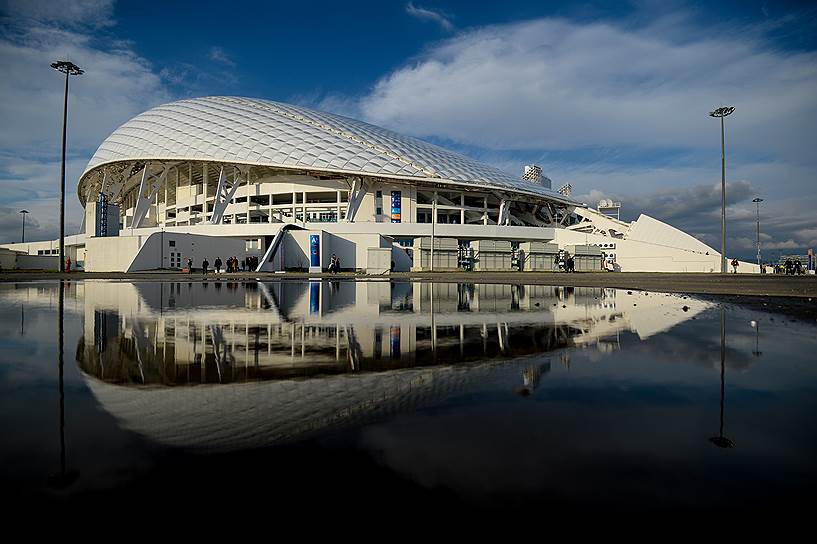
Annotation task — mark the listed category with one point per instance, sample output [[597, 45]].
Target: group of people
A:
[[567, 262], [232, 264], [793, 267], [334, 264]]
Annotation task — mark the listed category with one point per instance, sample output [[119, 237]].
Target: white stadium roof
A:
[[265, 133]]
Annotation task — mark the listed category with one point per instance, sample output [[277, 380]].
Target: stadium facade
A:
[[228, 176]]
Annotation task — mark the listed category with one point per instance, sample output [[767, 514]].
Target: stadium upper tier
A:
[[259, 132]]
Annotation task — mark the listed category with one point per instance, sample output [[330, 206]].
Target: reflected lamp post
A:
[[65, 478], [755, 325], [720, 440], [758, 201], [23, 236], [69, 69], [721, 113]]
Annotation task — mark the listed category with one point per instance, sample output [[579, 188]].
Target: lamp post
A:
[[69, 69], [723, 112], [758, 201], [23, 236]]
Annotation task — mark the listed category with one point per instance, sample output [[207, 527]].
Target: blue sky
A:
[[611, 97]]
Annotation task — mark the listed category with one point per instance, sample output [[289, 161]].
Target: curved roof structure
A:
[[265, 133]]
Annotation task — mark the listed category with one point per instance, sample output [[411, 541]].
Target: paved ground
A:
[[767, 285]]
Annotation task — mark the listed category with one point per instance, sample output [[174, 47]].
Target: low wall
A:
[[39, 262], [159, 250]]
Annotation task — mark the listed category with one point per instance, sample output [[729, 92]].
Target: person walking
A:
[[734, 266], [68, 264], [189, 265], [204, 265], [217, 263]]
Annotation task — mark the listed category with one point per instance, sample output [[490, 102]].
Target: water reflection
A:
[[486, 390], [360, 350], [193, 333]]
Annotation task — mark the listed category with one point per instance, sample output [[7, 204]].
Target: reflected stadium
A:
[[268, 363]]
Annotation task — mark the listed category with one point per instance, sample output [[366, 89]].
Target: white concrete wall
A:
[[638, 256], [295, 245], [113, 254], [8, 259], [152, 252], [33, 247], [351, 249], [402, 262], [156, 249]]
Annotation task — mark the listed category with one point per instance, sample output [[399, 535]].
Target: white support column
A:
[[433, 223], [567, 212], [548, 213], [356, 195], [350, 200], [204, 181], [147, 192], [235, 178], [485, 210], [337, 208], [223, 196], [164, 216], [269, 210], [462, 209]]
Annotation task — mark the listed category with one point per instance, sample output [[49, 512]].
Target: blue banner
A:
[[314, 250], [394, 340], [396, 206], [314, 297]]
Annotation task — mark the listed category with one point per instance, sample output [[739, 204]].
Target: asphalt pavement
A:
[[768, 285]]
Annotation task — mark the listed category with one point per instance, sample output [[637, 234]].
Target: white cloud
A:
[[430, 15], [217, 54], [96, 13], [117, 85], [579, 91], [557, 84]]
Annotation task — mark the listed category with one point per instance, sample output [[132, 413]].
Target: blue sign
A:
[[396, 206], [314, 250], [314, 297], [394, 340]]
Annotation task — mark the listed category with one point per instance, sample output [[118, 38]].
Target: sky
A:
[[611, 97]]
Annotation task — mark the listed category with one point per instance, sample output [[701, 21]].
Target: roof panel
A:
[[233, 129]]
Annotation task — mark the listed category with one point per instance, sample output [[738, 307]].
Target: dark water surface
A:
[[368, 396]]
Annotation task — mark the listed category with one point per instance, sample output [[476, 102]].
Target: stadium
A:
[[289, 187]]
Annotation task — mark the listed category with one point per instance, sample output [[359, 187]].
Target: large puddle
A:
[[462, 393]]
